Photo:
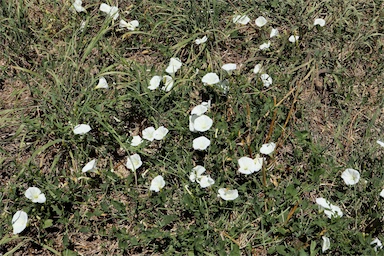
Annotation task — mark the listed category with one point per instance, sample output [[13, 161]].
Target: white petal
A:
[[136, 141], [201, 40], [132, 25], [293, 38], [268, 148], [202, 123], [154, 83], [274, 32], [246, 165], [210, 79], [320, 22], [243, 20], [149, 133], [160, 133], [199, 110], [265, 45], [134, 162], [261, 21], [257, 68], [378, 244], [201, 143], [196, 173], [168, 83], [102, 83], [90, 166], [192, 119], [157, 183], [77, 5], [206, 181], [326, 243], [382, 193], [258, 162], [350, 176], [81, 129], [19, 222], [114, 12], [266, 79], [228, 194], [381, 143], [105, 8], [229, 67], [174, 65]]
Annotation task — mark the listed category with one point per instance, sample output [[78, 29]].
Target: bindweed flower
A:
[[77, 6], [160, 133], [132, 25], [326, 244], [257, 69], [199, 110], [174, 65], [201, 40], [81, 129], [35, 195], [111, 11], [381, 143], [202, 123], [320, 22], [228, 194], [265, 45], [206, 181], [157, 183], [210, 79], [19, 222], [102, 83], [350, 176], [377, 243], [154, 83], [229, 67], [293, 38], [149, 133], [90, 166], [243, 20], [134, 162], [247, 165], [196, 173], [329, 209], [274, 32], [201, 143], [168, 83], [382, 193], [258, 162], [268, 148], [266, 79], [136, 141], [260, 21]]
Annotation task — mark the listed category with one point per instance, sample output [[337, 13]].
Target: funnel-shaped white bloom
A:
[[199, 110], [102, 83], [154, 83], [19, 222], [229, 67], [228, 194], [77, 6], [160, 133], [149, 133], [201, 40], [350, 176], [258, 162], [132, 25], [329, 209], [377, 243], [134, 162], [210, 79], [35, 195], [320, 22], [111, 11], [257, 69], [157, 183], [381, 143], [136, 140], [265, 45], [260, 21], [267, 148], [293, 38], [202, 123], [196, 173], [326, 244], [81, 129], [174, 65], [266, 79], [206, 181], [201, 143], [274, 32], [90, 166], [168, 83], [247, 165], [243, 20]]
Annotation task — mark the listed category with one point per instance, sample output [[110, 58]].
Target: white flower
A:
[[320, 22], [243, 20], [229, 67], [134, 162], [196, 173], [19, 222], [293, 38], [35, 195], [274, 32], [265, 45], [202, 123], [201, 40], [199, 110], [82, 25], [210, 79], [157, 183], [329, 209], [77, 5], [267, 148], [350, 176], [326, 243], [266, 79], [132, 25], [247, 165], [381, 143], [111, 11], [81, 129], [168, 83], [206, 104], [102, 83], [382, 193], [192, 119], [154, 83], [206, 181], [201, 143], [257, 68], [136, 141], [258, 162], [228, 194], [174, 65], [378, 244], [90, 166], [149, 133], [160, 133], [261, 21]]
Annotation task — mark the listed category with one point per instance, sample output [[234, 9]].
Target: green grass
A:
[[324, 110]]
